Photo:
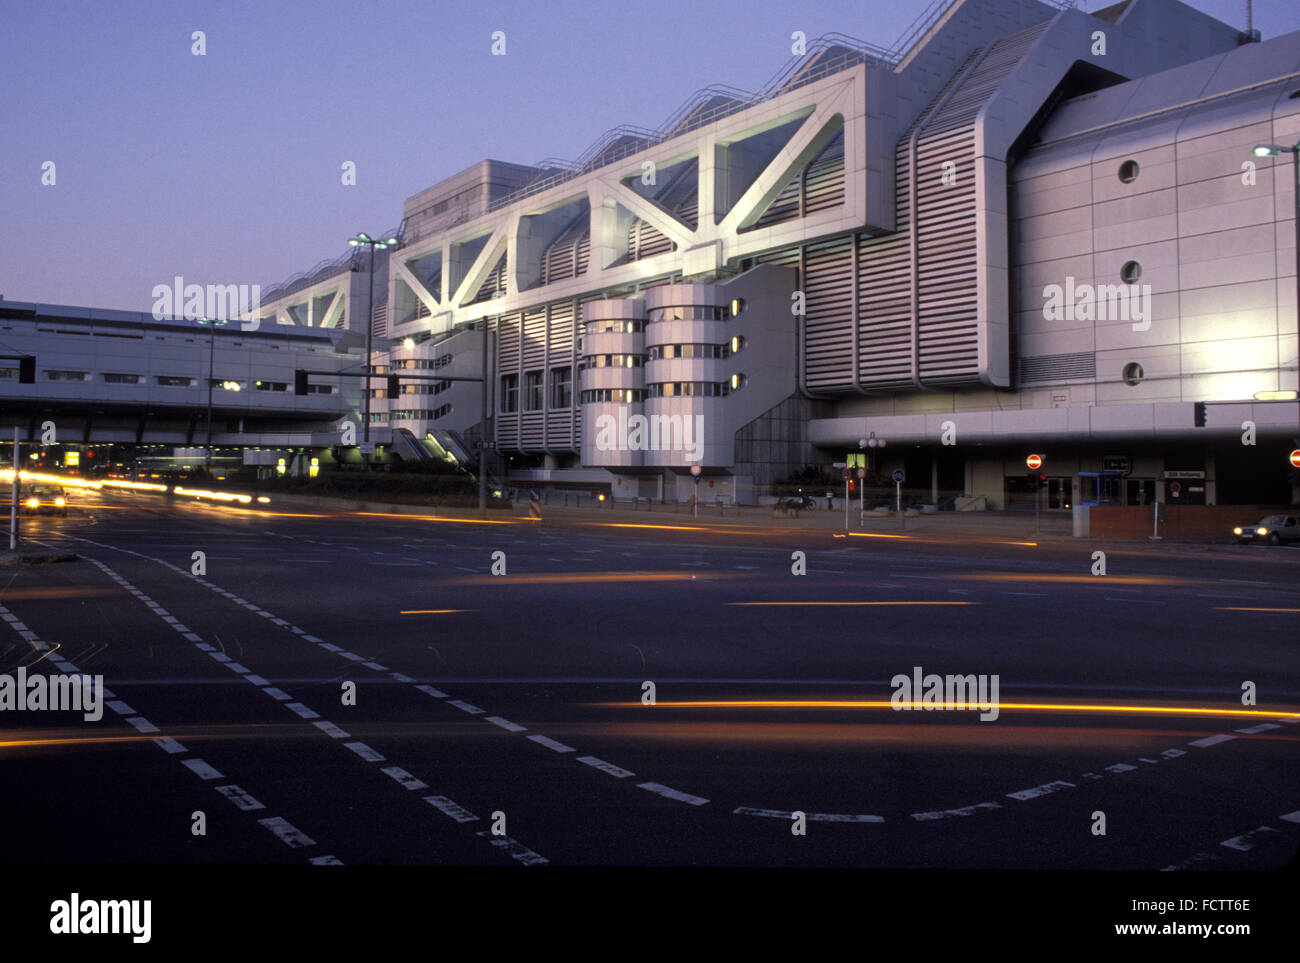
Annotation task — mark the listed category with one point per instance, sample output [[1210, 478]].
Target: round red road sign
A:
[[1295, 458], [1034, 461]]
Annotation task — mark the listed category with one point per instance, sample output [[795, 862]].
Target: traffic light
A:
[[1037, 480], [300, 382], [1200, 414], [27, 370], [394, 385]]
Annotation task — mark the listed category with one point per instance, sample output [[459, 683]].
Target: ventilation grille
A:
[[1058, 367]]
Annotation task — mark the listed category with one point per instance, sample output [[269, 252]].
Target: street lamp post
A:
[[1273, 150], [212, 347], [358, 241], [862, 484]]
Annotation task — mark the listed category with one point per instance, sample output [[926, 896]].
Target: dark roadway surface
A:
[[523, 705]]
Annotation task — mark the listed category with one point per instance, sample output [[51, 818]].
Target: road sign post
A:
[[862, 496], [1035, 462], [13, 506], [846, 499], [899, 477], [695, 496]]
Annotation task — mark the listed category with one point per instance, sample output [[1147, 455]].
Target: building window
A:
[[174, 381], [1131, 272], [67, 375], [8, 372], [596, 396], [533, 384], [561, 387], [320, 389], [1128, 171], [121, 379], [272, 386], [509, 393], [1133, 374]]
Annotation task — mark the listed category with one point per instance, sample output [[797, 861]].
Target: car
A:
[[45, 500], [1275, 529]]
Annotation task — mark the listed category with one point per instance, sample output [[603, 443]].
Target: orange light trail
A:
[[1101, 580], [1064, 707], [439, 518], [1226, 608], [432, 611], [563, 578]]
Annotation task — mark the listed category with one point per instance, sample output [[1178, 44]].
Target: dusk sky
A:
[[226, 168]]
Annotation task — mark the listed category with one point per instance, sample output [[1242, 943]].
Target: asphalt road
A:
[[498, 719]]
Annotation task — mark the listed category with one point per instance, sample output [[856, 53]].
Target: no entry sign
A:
[[1034, 461]]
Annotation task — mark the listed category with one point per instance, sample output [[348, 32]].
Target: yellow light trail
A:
[[879, 535], [432, 611], [439, 518], [1064, 707], [667, 528]]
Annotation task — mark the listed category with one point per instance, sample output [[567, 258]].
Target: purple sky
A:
[[226, 168]]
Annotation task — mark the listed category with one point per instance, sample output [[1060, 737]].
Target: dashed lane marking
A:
[[670, 793], [456, 812], [550, 743]]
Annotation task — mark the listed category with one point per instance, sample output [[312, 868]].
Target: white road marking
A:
[[1120, 767], [466, 707], [220, 656], [331, 730], [404, 778], [1262, 727], [364, 751], [352, 656], [121, 708], [240, 798], [436, 693], [376, 666], [398, 677], [169, 745], [615, 771], [669, 793], [506, 724], [290, 836], [1246, 842], [552, 744], [236, 667], [1211, 740], [278, 694], [962, 811], [517, 850], [1042, 790], [458, 813], [257, 680], [301, 710], [325, 861], [201, 769], [810, 817], [143, 724]]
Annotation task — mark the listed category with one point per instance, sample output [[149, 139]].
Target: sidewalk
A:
[[1054, 528]]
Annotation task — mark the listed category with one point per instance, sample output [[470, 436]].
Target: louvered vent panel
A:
[[644, 240], [495, 281], [508, 344], [829, 291], [1058, 367], [530, 436], [534, 338], [378, 321], [823, 183]]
